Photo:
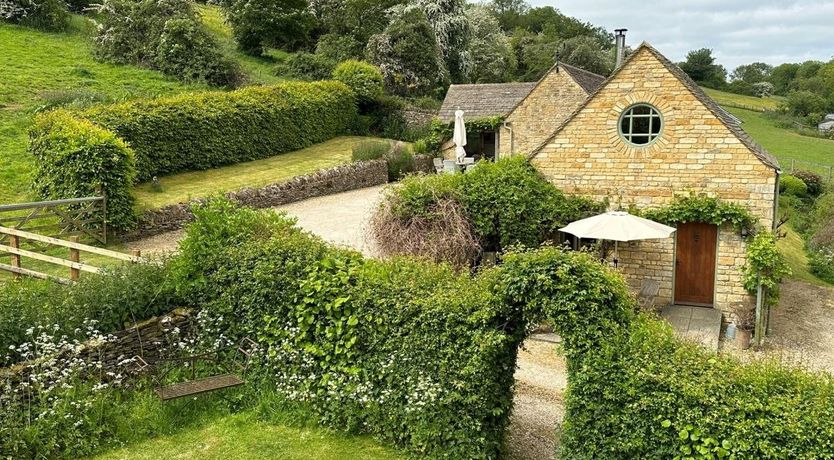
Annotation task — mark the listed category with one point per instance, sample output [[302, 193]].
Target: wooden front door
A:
[[695, 264]]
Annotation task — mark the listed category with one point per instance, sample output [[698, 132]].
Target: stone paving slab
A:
[[699, 324]]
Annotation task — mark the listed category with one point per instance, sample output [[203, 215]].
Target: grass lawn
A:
[[742, 101], [245, 438], [784, 143], [181, 187]]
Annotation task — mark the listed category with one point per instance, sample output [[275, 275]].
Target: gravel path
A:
[[340, 218], [541, 379], [802, 328]]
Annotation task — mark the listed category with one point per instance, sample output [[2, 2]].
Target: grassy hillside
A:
[[784, 143], [38, 69], [741, 101]]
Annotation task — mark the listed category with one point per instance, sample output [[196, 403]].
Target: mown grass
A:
[[742, 101], [195, 184], [784, 143], [244, 437]]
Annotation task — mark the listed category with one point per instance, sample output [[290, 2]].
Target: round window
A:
[[640, 124]]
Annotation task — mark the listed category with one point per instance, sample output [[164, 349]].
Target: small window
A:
[[640, 124]]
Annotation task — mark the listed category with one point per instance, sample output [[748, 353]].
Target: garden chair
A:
[[438, 165], [647, 296], [228, 377]]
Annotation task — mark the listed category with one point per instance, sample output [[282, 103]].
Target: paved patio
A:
[[699, 324]]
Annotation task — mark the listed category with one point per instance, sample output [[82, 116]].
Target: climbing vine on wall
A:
[[702, 208], [764, 264]]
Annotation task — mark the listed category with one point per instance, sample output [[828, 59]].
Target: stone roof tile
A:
[[483, 99]]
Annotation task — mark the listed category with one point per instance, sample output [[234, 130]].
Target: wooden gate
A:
[[84, 217], [695, 264]]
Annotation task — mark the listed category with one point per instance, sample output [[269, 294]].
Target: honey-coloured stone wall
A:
[[695, 153], [546, 107]]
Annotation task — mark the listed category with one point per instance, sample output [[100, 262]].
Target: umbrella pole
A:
[[616, 253]]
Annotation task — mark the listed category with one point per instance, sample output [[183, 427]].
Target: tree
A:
[[782, 77], [535, 53], [805, 103], [752, 73], [700, 66], [256, 24], [359, 19], [451, 30], [585, 52], [763, 88], [492, 56], [509, 12], [408, 55]]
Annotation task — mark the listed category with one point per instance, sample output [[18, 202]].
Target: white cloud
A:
[[739, 31]]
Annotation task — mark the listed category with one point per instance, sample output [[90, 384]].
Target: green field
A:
[[784, 143], [742, 101], [246, 438]]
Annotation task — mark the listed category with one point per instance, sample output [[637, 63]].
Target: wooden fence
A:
[[74, 263], [59, 218]]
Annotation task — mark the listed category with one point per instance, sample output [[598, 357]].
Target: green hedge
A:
[[209, 129], [408, 351], [508, 202], [75, 158], [638, 391]]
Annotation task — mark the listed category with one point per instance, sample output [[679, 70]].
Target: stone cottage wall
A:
[[694, 153], [540, 113]]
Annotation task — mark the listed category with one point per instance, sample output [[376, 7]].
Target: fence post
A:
[[793, 165], [75, 256], [829, 174], [15, 243]]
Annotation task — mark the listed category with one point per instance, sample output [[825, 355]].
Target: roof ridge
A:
[[763, 155]]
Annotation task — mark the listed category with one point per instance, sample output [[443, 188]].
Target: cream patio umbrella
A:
[[459, 136], [618, 226]]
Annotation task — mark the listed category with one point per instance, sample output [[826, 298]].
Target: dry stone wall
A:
[[324, 182]]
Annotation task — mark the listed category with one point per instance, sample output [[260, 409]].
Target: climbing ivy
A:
[[764, 265], [702, 208]]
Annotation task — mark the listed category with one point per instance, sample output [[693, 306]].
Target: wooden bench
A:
[[196, 386]]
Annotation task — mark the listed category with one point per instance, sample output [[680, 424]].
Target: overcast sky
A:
[[739, 31]]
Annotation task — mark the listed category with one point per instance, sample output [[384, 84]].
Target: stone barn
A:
[[639, 138]]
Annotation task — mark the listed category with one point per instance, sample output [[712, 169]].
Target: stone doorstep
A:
[[699, 324]]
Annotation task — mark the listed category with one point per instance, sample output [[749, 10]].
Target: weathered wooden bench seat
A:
[[195, 387]]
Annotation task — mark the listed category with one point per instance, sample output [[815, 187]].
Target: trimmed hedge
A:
[[638, 391], [792, 185], [209, 129], [75, 158], [405, 350]]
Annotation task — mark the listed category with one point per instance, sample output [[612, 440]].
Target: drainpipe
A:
[[509, 127], [619, 40]]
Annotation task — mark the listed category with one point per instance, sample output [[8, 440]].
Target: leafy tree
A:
[[509, 12], [493, 59], [782, 76], [49, 15], [700, 65], [364, 79], [585, 52], [359, 19], [338, 48], [752, 73], [535, 53], [805, 103], [256, 24], [451, 30], [166, 35], [763, 88], [408, 55]]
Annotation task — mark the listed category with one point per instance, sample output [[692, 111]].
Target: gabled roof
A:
[[731, 122], [483, 99], [589, 81]]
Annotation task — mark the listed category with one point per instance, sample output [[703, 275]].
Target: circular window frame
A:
[[651, 140]]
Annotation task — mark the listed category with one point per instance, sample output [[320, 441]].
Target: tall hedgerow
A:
[[208, 129], [76, 158]]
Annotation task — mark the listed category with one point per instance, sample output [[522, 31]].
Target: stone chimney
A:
[[619, 37]]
